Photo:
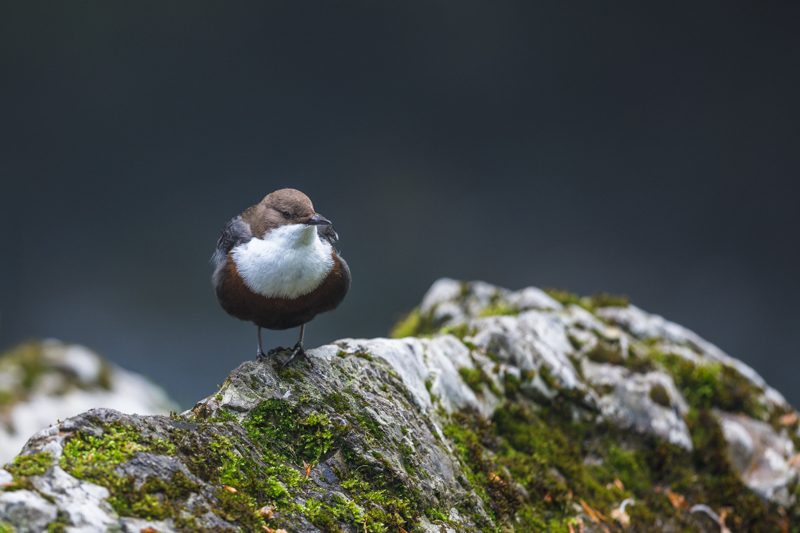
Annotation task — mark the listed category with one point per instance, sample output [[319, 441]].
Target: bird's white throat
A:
[[287, 262]]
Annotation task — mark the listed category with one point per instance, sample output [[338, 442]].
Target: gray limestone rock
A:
[[766, 460], [628, 402], [27, 511], [469, 424]]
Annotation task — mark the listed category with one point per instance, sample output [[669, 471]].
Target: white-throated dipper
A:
[[275, 266]]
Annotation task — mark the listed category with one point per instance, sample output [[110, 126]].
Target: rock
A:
[[84, 503], [27, 511], [629, 404], [42, 383], [761, 456], [496, 410], [646, 326]]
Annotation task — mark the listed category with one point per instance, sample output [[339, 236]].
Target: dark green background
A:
[[643, 148]]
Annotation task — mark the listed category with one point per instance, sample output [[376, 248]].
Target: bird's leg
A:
[[259, 353], [298, 348]]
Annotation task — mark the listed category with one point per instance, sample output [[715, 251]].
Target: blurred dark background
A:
[[639, 148]]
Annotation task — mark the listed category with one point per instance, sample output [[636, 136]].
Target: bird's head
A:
[[285, 207]]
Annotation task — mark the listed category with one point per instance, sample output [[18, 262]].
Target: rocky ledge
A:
[[491, 411]]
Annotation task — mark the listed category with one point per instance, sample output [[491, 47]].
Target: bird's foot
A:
[[298, 350], [261, 356]]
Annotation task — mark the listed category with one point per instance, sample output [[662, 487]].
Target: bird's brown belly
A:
[[280, 313]]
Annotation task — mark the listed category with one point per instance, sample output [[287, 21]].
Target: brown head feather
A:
[[279, 208]]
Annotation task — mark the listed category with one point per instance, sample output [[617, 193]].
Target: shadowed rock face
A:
[[494, 411]]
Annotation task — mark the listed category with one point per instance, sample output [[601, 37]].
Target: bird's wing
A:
[[235, 232], [326, 232]]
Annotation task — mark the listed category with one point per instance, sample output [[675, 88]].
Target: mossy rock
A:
[[483, 418]]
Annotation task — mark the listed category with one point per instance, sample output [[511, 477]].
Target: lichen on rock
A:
[[494, 411]]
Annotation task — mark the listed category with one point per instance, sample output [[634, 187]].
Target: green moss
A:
[[287, 373], [364, 355], [547, 452], [301, 437], [153, 500], [511, 384], [91, 458], [576, 344], [563, 297], [472, 377], [5, 527], [327, 516], [548, 378], [660, 395], [264, 468], [371, 425], [30, 360], [105, 375], [95, 458], [34, 464], [414, 324], [498, 308], [606, 352], [459, 330], [260, 476], [713, 385], [338, 402], [603, 299], [388, 504], [435, 514], [476, 377], [590, 303], [221, 415], [29, 363], [6, 398]]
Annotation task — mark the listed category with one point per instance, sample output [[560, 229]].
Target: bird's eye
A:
[[287, 214]]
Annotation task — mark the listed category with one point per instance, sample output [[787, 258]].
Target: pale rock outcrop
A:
[[42, 383], [766, 460]]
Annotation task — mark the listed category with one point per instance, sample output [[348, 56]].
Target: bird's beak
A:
[[318, 219]]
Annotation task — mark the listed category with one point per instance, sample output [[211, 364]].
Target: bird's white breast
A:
[[287, 262]]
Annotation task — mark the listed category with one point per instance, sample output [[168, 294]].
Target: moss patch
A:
[[590, 303], [530, 466], [412, 325], [34, 464], [301, 437], [659, 395], [476, 377], [498, 308], [606, 352], [713, 385], [29, 363]]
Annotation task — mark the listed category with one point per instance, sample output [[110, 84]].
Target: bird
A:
[[275, 265]]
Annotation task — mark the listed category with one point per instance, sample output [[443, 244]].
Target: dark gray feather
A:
[[235, 232], [326, 232]]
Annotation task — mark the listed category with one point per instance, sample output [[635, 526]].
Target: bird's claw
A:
[[261, 356], [298, 350]]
